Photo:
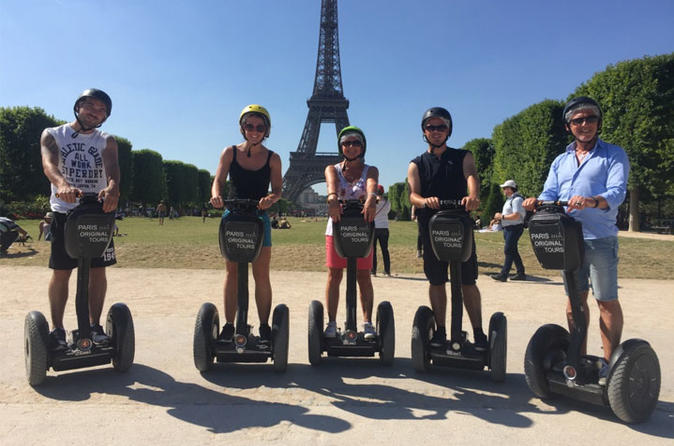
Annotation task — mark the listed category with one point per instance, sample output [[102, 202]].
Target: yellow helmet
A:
[[259, 111]]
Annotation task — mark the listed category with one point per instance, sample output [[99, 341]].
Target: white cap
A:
[[509, 183]]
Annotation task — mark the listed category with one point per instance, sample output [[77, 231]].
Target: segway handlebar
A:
[[540, 203], [240, 203], [451, 204]]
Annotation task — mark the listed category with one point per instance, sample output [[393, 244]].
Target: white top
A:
[[513, 205], [80, 162], [381, 217], [349, 191]]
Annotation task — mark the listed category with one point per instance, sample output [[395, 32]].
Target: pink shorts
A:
[[333, 260]]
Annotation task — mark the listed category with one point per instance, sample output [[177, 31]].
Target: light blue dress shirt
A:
[[603, 172]]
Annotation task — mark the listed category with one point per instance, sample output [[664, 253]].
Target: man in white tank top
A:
[[78, 158]]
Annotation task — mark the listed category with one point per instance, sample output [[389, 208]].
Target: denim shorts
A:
[[600, 266], [266, 225]]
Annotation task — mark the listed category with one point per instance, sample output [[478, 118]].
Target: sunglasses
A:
[[588, 119], [436, 128], [354, 143], [259, 128]]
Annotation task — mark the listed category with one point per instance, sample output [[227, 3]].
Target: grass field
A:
[[188, 243]]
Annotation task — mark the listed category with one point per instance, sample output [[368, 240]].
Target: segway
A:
[[451, 234], [240, 236], [88, 231], [353, 238], [553, 363]]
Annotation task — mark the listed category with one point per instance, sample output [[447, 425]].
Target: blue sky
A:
[[179, 72]]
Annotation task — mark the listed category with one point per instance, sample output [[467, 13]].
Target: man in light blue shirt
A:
[[592, 176], [512, 220]]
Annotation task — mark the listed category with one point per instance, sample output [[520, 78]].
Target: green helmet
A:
[[347, 130]]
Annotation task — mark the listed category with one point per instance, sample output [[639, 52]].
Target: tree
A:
[[21, 175], [182, 183], [149, 183], [493, 204], [526, 144], [637, 101], [483, 152], [205, 181], [125, 168], [399, 196]]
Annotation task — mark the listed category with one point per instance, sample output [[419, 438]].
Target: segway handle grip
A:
[[540, 203]]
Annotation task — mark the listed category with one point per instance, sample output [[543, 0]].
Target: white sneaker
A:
[[369, 333], [603, 372], [330, 330]]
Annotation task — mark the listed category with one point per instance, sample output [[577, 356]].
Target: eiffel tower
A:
[[327, 104]]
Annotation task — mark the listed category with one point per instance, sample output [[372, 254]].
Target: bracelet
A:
[[372, 194], [596, 202], [332, 193]]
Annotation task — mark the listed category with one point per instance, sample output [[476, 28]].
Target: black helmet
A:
[[580, 100], [437, 112], [97, 94]]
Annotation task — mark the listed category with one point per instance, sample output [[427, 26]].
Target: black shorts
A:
[[59, 259], [437, 271]]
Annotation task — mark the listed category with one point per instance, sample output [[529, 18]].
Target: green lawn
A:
[[188, 243]]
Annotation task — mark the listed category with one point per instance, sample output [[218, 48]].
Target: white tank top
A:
[[349, 191], [80, 162]]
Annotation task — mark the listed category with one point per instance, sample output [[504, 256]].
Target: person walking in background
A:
[[161, 212], [381, 232], [512, 221], [45, 226], [592, 176]]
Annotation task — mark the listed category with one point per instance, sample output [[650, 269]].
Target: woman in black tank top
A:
[[251, 168]]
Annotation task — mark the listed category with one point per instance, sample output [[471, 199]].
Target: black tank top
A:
[[253, 184], [442, 177]]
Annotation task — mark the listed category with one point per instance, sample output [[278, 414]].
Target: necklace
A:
[[580, 156]]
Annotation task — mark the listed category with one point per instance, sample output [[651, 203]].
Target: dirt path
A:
[[164, 400]]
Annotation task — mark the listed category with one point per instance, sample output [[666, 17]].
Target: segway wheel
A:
[[498, 346], [315, 332], [634, 382], [547, 347], [119, 326], [422, 330], [386, 333], [279, 337], [206, 330], [36, 341]]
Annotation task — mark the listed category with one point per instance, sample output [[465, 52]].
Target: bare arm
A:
[[110, 195], [276, 183], [50, 166], [370, 206], [221, 176], [472, 201], [415, 190], [334, 209]]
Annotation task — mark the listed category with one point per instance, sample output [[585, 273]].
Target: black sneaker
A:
[[98, 336], [481, 343], [265, 336], [439, 338], [499, 277], [57, 339], [227, 332], [518, 277]]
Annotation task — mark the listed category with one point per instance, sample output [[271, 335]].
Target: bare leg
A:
[[586, 312], [58, 295], [98, 285], [366, 293], [610, 325], [332, 292], [438, 296], [230, 291], [263, 284], [472, 300]]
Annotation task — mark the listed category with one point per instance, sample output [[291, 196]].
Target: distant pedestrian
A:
[[161, 212], [420, 242], [512, 220], [381, 233], [45, 226]]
